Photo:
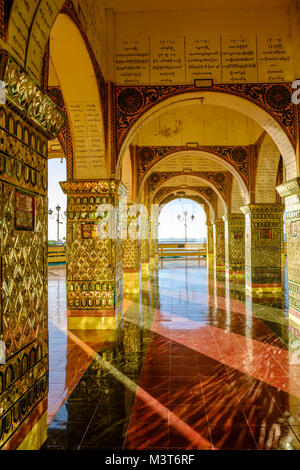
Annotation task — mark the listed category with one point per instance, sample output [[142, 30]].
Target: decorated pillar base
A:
[[235, 246], [263, 229], [219, 245], [291, 192], [94, 261]]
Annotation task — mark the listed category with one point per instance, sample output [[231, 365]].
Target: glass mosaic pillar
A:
[[219, 245], [263, 239], [210, 245], [291, 192], [131, 253], [28, 120], [234, 246], [145, 249], [94, 261]]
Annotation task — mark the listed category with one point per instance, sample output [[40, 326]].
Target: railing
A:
[[179, 250], [56, 255]]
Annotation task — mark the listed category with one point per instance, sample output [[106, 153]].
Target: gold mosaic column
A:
[[219, 244], [131, 256], [153, 224], [291, 192], [234, 246], [145, 252], [263, 230], [94, 264], [210, 245], [28, 120]]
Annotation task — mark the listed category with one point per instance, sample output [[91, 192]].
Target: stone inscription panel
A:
[[88, 140], [237, 58]]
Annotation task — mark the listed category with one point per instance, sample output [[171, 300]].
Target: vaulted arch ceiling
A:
[[189, 181], [205, 124], [231, 118], [188, 194], [184, 170]]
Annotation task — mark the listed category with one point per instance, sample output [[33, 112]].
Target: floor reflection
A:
[[194, 363]]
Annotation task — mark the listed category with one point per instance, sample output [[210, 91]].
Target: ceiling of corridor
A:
[[205, 124]]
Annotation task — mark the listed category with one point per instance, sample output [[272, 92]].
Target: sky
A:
[[169, 226], [56, 173]]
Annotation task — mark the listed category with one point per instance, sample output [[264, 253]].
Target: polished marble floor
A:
[[194, 363]]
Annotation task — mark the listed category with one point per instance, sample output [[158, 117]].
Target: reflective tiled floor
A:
[[193, 364]]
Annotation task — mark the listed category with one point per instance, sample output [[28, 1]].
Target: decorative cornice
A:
[[107, 187], [25, 96], [218, 222], [262, 208], [233, 218], [216, 178]]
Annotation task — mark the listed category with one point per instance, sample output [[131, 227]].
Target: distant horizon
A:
[[182, 239]]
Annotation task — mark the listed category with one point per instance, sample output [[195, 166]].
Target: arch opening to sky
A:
[[170, 229], [57, 172]]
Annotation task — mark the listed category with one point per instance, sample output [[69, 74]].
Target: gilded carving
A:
[[238, 157], [23, 93], [234, 244]]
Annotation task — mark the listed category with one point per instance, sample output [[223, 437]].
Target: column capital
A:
[[94, 187], [262, 208], [218, 221], [233, 217]]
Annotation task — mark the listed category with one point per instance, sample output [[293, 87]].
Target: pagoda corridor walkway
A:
[[192, 364]]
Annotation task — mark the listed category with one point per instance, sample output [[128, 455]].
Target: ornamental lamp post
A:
[[50, 212], [185, 219]]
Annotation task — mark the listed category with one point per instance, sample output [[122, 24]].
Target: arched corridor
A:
[[130, 326]]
